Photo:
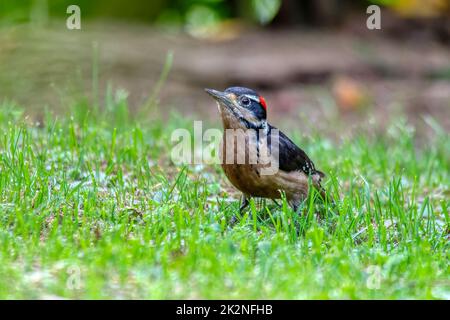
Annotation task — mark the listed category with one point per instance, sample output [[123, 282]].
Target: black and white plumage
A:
[[244, 109]]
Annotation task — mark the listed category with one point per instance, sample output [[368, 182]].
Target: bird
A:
[[244, 110]]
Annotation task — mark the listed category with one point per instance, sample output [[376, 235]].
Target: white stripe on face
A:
[[254, 98]]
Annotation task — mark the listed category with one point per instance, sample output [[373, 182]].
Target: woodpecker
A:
[[245, 110]]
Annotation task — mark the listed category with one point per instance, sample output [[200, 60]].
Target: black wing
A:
[[292, 158]]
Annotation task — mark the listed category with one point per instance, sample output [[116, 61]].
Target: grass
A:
[[92, 207]]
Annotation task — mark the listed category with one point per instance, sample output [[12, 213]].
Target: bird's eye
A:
[[244, 101]]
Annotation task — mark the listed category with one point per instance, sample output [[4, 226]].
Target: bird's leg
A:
[[244, 204], [295, 204]]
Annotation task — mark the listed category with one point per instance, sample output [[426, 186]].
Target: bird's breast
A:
[[246, 160]]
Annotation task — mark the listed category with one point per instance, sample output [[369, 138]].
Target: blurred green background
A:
[[172, 12], [186, 12], [308, 57]]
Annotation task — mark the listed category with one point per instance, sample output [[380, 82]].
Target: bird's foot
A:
[[233, 220], [244, 204]]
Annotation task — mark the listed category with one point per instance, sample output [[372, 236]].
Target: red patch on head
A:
[[262, 101]]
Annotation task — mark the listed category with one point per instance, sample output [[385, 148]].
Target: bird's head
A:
[[240, 107]]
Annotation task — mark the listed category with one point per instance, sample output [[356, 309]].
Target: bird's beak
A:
[[220, 97]]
